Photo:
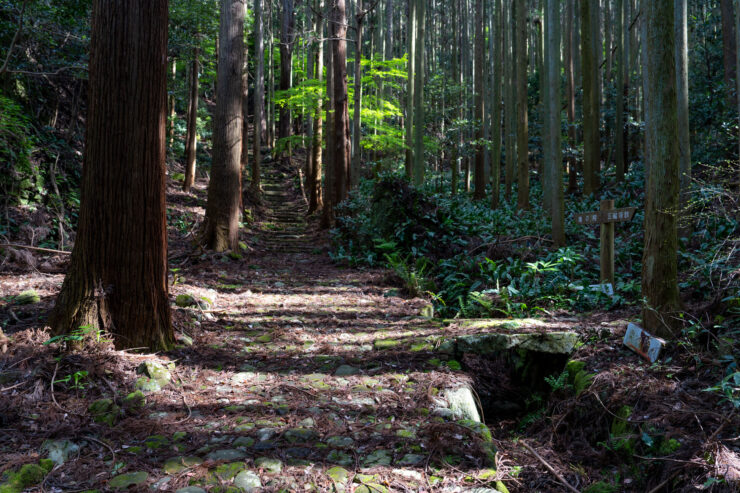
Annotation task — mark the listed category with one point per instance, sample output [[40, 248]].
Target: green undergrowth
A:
[[478, 262]]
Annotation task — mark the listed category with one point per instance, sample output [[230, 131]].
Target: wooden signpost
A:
[[606, 217]]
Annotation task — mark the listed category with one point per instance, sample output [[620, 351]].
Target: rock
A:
[[447, 347], [60, 450], [264, 434], [340, 442], [134, 400], [104, 411], [307, 423], [411, 460], [27, 297], [27, 476], [462, 403], [243, 442], [346, 370], [338, 474], [157, 371], [185, 339], [408, 474], [377, 458], [243, 377], [300, 435], [155, 442], [191, 489], [248, 481], [546, 342], [269, 464], [427, 311], [185, 301], [161, 483], [444, 412], [339, 457], [123, 481], [179, 464], [298, 452], [225, 454], [146, 384], [225, 472], [371, 488], [382, 344]]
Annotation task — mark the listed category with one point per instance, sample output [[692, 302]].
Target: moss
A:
[[601, 487], [104, 411], [28, 475], [27, 297], [46, 464], [386, 344], [134, 400]]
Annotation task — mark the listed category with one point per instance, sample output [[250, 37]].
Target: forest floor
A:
[[294, 373]]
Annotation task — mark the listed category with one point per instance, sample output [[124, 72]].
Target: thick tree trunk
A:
[[260, 123], [480, 174], [659, 261], [553, 154], [419, 24], [327, 213], [117, 277], [591, 103], [191, 144], [221, 226], [341, 103], [411, 66], [620, 93], [522, 126], [497, 55]]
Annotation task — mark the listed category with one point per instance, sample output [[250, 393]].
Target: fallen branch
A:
[[550, 468], [36, 249]]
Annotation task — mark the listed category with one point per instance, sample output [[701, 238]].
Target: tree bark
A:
[[553, 154], [191, 144], [510, 103], [660, 256], [341, 103], [479, 192], [356, 121], [456, 74], [591, 100], [522, 130], [620, 93], [117, 277], [497, 55], [287, 39], [173, 102], [411, 66], [571, 95], [314, 176], [221, 226], [729, 55], [260, 123], [419, 24], [682, 89]]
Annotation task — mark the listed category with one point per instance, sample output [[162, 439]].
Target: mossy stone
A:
[[148, 385], [269, 464], [248, 481], [179, 464], [338, 474], [185, 301], [134, 400], [27, 297], [28, 475], [386, 344], [123, 481], [104, 411]]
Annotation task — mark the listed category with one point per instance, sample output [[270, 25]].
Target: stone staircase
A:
[[284, 228]]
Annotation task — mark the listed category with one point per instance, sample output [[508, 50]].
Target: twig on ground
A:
[[105, 445], [36, 249], [664, 482], [549, 467]]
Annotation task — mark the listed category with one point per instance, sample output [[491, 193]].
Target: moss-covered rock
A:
[[27, 476], [134, 400], [104, 411], [123, 481], [27, 297]]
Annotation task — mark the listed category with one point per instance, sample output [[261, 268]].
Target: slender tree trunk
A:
[[682, 89], [192, 133], [411, 66], [522, 130], [341, 104], [660, 257], [260, 123], [287, 39], [245, 107], [314, 176], [619, 126], [173, 102], [729, 55], [553, 155], [356, 150], [117, 277], [510, 103], [221, 226], [455, 166], [737, 79], [480, 41], [591, 119], [419, 24], [571, 95], [497, 53], [327, 216]]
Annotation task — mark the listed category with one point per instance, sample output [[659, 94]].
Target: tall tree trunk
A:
[[314, 176], [510, 103], [221, 226], [497, 54], [356, 150], [419, 24], [660, 256], [682, 89], [729, 55], [117, 277], [341, 103], [192, 133], [327, 215], [553, 155], [480, 41], [570, 91], [737, 79], [173, 102], [591, 118], [411, 66], [260, 123], [620, 93], [456, 74], [522, 128], [287, 38], [245, 107]]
